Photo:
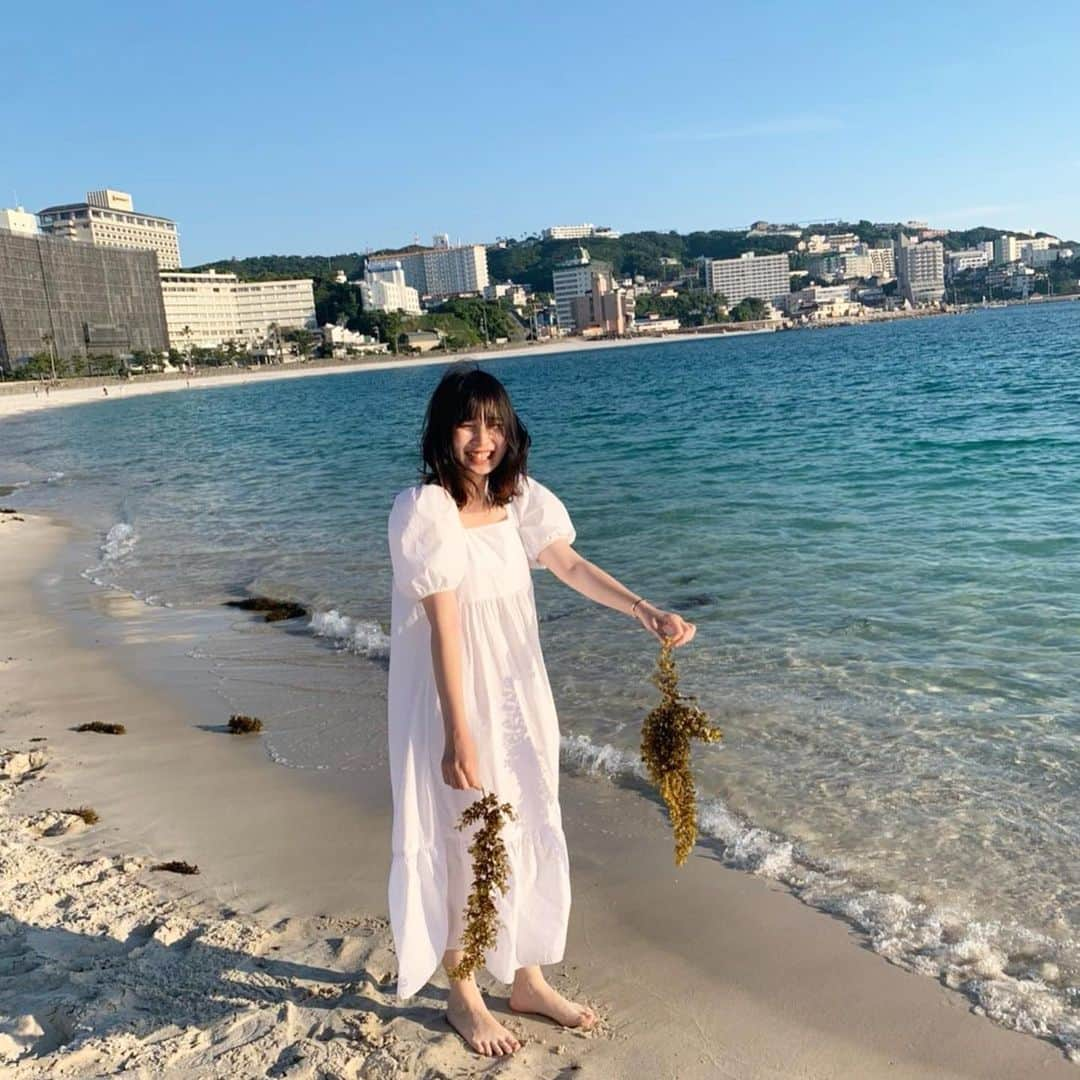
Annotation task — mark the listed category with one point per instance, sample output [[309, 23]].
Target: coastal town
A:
[[99, 288]]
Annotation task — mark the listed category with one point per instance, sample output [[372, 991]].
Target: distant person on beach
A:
[[470, 707], [105, 391]]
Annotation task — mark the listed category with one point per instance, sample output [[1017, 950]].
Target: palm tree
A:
[[48, 339]]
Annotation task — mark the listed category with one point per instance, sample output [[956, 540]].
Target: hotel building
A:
[[76, 299], [384, 288], [444, 270], [207, 310], [109, 219], [920, 270], [571, 279], [765, 277], [579, 232]]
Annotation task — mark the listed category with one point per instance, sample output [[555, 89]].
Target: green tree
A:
[[750, 310]]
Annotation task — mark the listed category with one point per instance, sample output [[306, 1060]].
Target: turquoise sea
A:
[[876, 530]]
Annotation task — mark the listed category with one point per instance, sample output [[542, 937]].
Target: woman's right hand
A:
[[459, 766]]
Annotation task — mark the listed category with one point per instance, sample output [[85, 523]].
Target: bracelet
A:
[[633, 606]]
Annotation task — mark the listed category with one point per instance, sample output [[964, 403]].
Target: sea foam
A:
[[1012, 974], [359, 636]]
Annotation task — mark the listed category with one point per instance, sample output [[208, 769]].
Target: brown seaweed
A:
[[244, 725], [665, 750], [272, 610], [491, 873], [102, 728], [176, 866]]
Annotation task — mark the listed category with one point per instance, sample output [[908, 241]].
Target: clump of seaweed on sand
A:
[[102, 728], [176, 866], [244, 725], [88, 815], [665, 750], [271, 609], [491, 874]]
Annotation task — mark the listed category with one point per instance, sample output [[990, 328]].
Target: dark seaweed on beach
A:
[[88, 815], [665, 750], [273, 610], [491, 872], [176, 867], [244, 725], [102, 728]]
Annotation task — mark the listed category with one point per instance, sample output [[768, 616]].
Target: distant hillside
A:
[[531, 261], [279, 267]]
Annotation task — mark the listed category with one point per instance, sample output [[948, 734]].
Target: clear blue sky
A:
[[279, 127]]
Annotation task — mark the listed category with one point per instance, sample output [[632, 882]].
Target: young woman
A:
[[470, 706]]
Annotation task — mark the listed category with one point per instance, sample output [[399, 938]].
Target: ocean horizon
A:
[[871, 527]]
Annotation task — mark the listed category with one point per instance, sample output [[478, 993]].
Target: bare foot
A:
[[469, 1017], [535, 995]]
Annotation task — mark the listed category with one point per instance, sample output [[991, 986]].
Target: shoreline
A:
[[759, 985], [17, 398]]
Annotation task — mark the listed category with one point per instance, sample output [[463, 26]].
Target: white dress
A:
[[512, 716]]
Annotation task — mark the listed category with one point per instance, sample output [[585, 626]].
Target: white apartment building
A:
[[579, 232], [506, 291], [882, 261], [384, 288], [956, 262], [817, 244], [207, 310], [766, 277], [920, 270], [571, 279], [1040, 259], [446, 271], [19, 221], [108, 218]]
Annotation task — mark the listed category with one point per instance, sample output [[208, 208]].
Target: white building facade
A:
[[920, 270], [19, 221], [384, 288], [571, 279], [446, 270], [208, 310], [765, 277], [579, 232], [108, 219]]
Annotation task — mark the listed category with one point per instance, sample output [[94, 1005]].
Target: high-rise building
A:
[[208, 310], [76, 299], [571, 279], [764, 277], [108, 219], [384, 288], [920, 270], [19, 221], [1006, 250], [605, 309], [444, 270]]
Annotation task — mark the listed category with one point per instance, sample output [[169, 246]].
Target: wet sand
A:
[[277, 960]]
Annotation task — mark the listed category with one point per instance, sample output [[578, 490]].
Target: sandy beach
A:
[[276, 960]]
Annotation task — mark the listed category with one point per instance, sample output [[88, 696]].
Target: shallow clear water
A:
[[875, 529]]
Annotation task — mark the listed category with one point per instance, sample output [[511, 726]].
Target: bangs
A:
[[484, 403]]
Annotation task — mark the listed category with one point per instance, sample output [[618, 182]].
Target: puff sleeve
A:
[[427, 541], [542, 518]]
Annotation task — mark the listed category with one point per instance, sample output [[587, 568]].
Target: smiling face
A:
[[479, 446]]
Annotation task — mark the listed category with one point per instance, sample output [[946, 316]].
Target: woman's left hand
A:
[[665, 626]]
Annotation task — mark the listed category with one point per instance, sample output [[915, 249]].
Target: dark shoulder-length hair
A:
[[466, 393]]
